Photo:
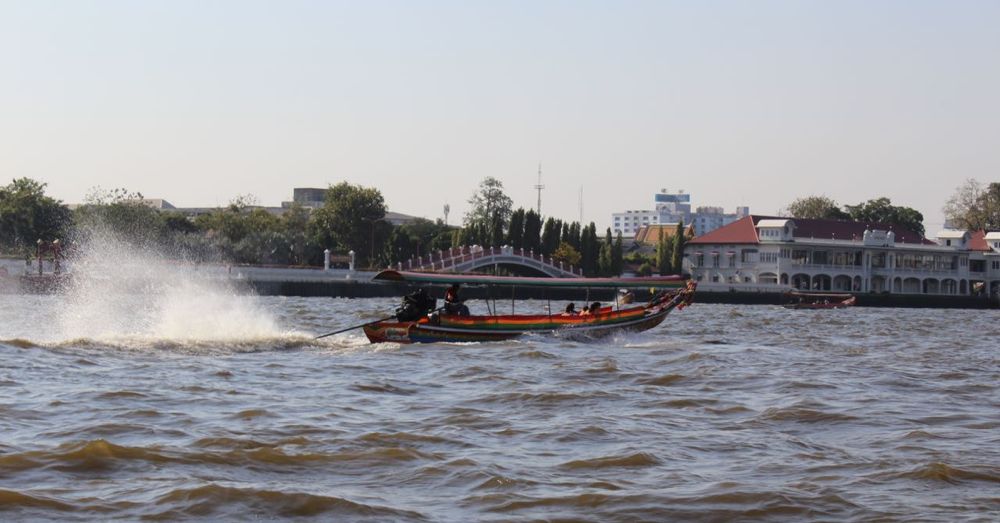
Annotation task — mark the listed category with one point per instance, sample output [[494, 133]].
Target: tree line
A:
[[973, 206], [352, 218], [877, 210]]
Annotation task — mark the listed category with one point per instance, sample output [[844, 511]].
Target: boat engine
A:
[[415, 306]]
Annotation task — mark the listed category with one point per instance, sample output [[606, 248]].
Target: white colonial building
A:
[[780, 253]]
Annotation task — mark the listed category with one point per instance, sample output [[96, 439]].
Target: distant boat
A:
[[818, 300], [434, 326]]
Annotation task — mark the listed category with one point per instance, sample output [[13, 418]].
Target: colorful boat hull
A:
[[449, 328]]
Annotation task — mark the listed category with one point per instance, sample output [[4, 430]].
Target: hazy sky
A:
[[737, 103]]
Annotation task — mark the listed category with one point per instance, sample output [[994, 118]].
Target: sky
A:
[[737, 103]]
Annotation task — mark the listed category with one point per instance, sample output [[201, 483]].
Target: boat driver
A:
[[453, 304]]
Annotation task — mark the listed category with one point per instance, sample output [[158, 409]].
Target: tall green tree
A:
[[881, 210], [816, 207], [28, 215], [551, 233], [574, 235], [352, 218], [617, 256], [605, 263], [515, 232], [532, 231], [490, 211], [589, 250], [679, 240], [663, 254]]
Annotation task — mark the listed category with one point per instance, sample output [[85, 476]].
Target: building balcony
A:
[[824, 267]]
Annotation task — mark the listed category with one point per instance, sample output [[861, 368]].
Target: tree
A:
[[816, 207], [28, 215], [352, 218], [491, 210], [120, 213], [515, 232], [551, 236], [677, 260], [604, 260], [417, 238], [974, 207], [295, 224], [663, 254], [589, 250], [617, 256], [574, 235], [989, 204], [567, 254], [881, 210], [532, 231]]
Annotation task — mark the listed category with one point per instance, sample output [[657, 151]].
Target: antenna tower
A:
[[539, 188], [447, 209], [581, 206]]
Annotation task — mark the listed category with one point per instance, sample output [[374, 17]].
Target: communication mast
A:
[[539, 188], [581, 206], [447, 209]]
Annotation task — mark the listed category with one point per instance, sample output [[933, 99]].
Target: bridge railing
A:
[[449, 259]]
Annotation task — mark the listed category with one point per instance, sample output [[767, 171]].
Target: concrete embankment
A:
[[267, 281], [352, 288], [864, 300]]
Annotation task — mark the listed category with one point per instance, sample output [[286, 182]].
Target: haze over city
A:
[[736, 103]]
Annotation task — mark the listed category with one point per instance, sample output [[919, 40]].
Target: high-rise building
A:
[[674, 208]]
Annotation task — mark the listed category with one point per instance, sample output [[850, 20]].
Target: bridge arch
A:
[[470, 258]]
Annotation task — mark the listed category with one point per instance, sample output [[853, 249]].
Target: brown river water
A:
[[194, 403]]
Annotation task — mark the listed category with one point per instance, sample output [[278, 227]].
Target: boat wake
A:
[[189, 346]]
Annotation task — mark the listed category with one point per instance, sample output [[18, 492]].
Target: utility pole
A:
[[539, 187], [581, 206]]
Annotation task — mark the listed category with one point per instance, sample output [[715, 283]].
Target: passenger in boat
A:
[[626, 297], [570, 310], [595, 307], [453, 304]]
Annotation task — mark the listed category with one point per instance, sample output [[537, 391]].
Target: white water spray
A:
[[121, 294]]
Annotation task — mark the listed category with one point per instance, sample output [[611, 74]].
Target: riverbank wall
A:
[[339, 283]]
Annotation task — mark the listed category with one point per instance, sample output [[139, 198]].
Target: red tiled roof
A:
[[850, 230], [741, 231], [744, 231]]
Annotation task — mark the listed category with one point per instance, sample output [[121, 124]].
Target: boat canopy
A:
[[654, 282]]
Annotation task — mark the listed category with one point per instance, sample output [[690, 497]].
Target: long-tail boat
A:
[[670, 292], [818, 300]]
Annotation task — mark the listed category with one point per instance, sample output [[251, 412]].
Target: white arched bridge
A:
[[470, 258]]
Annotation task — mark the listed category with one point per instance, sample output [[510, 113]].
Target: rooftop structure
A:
[[672, 208], [649, 235]]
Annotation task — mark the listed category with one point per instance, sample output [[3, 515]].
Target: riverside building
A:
[[778, 254]]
